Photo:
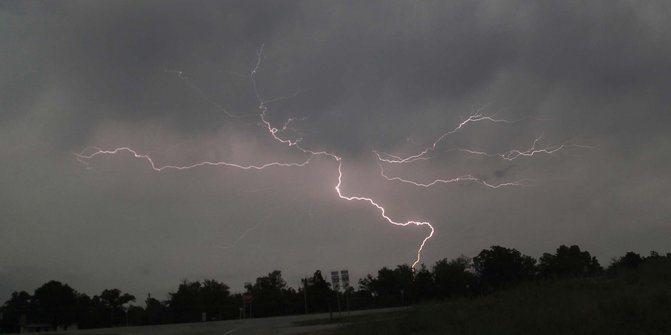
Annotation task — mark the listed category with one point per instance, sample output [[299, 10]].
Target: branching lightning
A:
[[383, 158], [423, 155], [510, 155], [516, 153], [83, 157], [463, 178]]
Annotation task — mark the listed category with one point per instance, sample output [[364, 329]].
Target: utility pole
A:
[[338, 300], [347, 301], [305, 294]]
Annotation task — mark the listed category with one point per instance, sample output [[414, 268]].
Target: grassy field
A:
[[630, 302]]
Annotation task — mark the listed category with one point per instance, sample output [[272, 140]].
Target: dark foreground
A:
[[295, 324], [634, 302]]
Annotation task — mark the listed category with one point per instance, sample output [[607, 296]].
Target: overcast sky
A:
[[389, 76]]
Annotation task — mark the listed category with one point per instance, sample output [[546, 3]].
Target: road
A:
[[276, 325]]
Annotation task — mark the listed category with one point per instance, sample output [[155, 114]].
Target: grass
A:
[[316, 322], [633, 302], [353, 319]]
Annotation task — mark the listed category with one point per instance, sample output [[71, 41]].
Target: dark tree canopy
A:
[[318, 293], [55, 303], [113, 301], [630, 260], [192, 299], [499, 266], [454, 278], [423, 285], [19, 304], [156, 312], [270, 293], [496, 268], [568, 261]]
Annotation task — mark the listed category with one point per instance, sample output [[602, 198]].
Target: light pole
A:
[[305, 294]]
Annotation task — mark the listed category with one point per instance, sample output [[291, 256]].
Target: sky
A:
[[173, 80]]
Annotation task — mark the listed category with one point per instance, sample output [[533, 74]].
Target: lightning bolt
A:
[[384, 158], [463, 178], [516, 153], [83, 158], [509, 155], [474, 118], [273, 131]]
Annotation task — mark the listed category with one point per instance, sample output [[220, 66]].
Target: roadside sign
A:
[[335, 279], [344, 277]]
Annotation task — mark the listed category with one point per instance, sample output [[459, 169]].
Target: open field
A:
[[633, 303]]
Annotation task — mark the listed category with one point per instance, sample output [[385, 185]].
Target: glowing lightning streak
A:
[[382, 157], [295, 143], [515, 153], [509, 156], [468, 177], [235, 243], [388, 158], [477, 117], [83, 157], [274, 132]]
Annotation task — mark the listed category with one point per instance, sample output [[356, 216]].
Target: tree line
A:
[[57, 305]]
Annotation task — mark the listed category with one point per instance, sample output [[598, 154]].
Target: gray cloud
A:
[[368, 75]]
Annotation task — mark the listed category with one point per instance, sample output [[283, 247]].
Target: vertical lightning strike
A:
[[383, 212]]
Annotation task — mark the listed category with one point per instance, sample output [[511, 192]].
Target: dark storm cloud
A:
[[368, 75], [372, 66]]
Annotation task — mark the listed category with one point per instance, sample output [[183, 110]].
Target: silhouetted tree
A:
[[216, 299], [366, 284], [499, 266], [453, 278], [271, 295], [135, 315], [319, 293], [404, 277], [19, 304], [185, 304], [568, 261], [630, 260], [54, 303], [424, 286], [113, 301], [653, 255], [156, 311], [91, 312], [390, 287], [192, 299], [385, 287]]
